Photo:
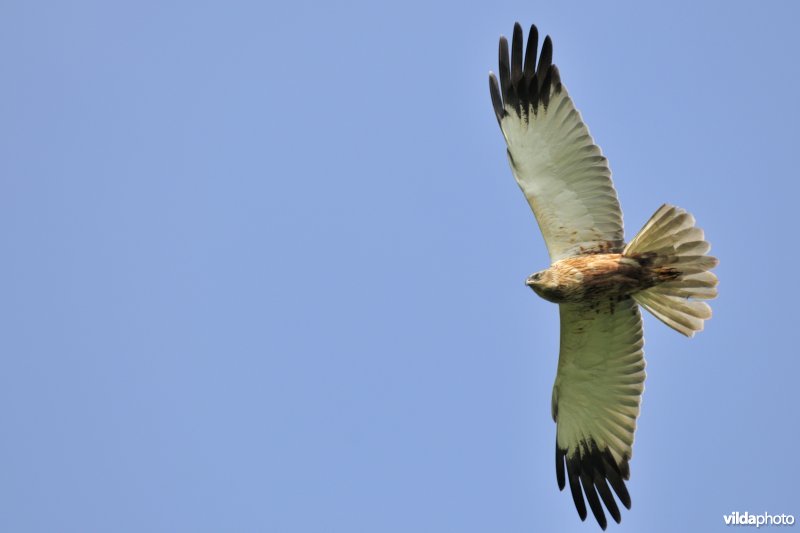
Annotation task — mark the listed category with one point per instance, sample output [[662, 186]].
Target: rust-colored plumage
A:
[[598, 276], [591, 277]]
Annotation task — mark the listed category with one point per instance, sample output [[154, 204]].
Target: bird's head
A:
[[538, 279], [544, 284]]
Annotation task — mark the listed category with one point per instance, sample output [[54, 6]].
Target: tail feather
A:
[[693, 248], [690, 264], [701, 286], [675, 252], [665, 224], [685, 236], [681, 319]]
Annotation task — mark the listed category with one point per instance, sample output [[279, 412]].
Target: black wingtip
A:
[[516, 54], [614, 477], [560, 477], [591, 495], [601, 474], [504, 69], [605, 495], [573, 470], [590, 472], [497, 101], [531, 50], [524, 86], [625, 468], [555, 79], [545, 61]]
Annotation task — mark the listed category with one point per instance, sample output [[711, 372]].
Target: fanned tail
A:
[[675, 251]]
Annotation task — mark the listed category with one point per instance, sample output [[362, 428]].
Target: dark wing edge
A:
[[524, 85], [593, 470]]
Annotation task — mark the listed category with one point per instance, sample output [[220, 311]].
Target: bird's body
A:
[[597, 280], [594, 277]]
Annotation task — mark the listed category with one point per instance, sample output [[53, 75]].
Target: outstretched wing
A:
[[596, 401], [557, 165]]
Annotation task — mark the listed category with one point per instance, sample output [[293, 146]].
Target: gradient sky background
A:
[[262, 265]]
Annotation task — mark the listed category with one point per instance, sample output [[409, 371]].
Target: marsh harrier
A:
[[597, 280]]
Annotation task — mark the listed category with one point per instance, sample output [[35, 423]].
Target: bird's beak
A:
[[530, 282]]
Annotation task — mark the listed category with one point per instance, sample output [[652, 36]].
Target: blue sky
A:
[[262, 265]]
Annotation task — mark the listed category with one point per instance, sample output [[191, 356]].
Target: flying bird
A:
[[596, 279]]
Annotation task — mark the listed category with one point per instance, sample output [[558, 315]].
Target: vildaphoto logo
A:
[[746, 519]]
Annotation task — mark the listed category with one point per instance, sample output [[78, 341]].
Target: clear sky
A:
[[262, 265]]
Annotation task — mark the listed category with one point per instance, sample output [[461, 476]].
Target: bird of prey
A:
[[597, 280]]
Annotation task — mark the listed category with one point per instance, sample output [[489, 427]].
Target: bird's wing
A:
[[596, 401], [564, 175]]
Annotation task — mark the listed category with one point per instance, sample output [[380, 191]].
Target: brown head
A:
[[544, 284], [557, 284]]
